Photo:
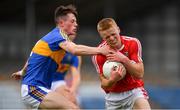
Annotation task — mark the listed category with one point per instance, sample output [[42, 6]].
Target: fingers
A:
[[12, 76], [120, 70], [111, 52], [16, 76], [109, 55], [112, 56], [114, 71]]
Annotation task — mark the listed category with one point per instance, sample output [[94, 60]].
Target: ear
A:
[[61, 23]]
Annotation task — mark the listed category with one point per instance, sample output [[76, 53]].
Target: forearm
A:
[[135, 69], [106, 83], [79, 49], [76, 78], [75, 83], [86, 50], [23, 70]]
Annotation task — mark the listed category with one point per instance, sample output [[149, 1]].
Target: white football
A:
[[108, 65]]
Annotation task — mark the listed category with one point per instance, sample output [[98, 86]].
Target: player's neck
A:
[[118, 47]]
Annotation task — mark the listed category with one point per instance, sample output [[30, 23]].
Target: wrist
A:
[[22, 72], [99, 51], [125, 60], [111, 82]]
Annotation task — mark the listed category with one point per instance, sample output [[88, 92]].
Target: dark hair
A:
[[64, 10]]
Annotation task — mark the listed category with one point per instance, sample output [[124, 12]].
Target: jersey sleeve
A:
[[98, 61], [64, 36], [75, 62], [54, 38], [135, 51]]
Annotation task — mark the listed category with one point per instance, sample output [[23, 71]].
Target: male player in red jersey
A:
[[127, 93]]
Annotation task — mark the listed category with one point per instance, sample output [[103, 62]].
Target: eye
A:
[[113, 34], [107, 37], [72, 21]]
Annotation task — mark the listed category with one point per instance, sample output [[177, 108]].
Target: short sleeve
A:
[[54, 38], [75, 62], [98, 61], [135, 51]]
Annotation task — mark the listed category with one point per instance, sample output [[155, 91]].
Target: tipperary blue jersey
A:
[[68, 61], [44, 59]]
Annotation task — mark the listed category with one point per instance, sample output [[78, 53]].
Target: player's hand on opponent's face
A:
[[17, 75], [116, 56], [116, 74], [105, 50]]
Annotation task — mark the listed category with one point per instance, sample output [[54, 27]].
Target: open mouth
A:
[[113, 43], [75, 30]]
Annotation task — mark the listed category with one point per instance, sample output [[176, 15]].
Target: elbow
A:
[[139, 74], [74, 51], [105, 86]]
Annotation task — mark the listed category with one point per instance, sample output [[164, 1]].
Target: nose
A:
[[111, 37], [76, 24]]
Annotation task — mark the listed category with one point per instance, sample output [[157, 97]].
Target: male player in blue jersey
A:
[[44, 61], [70, 64]]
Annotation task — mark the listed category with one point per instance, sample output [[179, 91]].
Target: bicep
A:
[[67, 46], [136, 51], [98, 63]]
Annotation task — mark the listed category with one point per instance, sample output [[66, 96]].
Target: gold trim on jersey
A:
[[64, 35], [42, 48], [57, 56]]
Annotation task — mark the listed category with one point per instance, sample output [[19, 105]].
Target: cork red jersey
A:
[[131, 47]]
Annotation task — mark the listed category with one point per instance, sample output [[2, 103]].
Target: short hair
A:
[[105, 24], [64, 10]]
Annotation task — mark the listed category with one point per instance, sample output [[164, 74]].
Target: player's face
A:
[[111, 36], [70, 25]]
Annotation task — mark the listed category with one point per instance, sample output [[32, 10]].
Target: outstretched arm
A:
[[82, 49]]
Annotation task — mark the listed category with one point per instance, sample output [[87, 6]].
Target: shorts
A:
[[124, 100], [56, 84], [32, 95]]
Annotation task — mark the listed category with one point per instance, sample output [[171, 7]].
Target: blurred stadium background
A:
[[156, 23]]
